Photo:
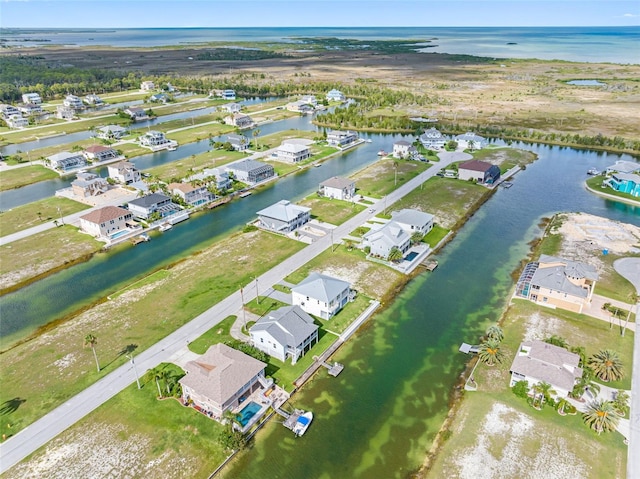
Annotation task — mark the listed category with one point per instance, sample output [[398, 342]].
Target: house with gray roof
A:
[[251, 171], [238, 142], [338, 188], [557, 283], [537, 362], [432, 139], [89, 184], [623, 166], [404, 149], [111, 132], [66, 160], [321, 295], [382, 240], [413, 221], [292, 152], [145, 206], [221, 379], [471, 140], [287, 332], [283, 217], [339, 138]]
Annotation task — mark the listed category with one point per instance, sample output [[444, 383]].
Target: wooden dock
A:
[[219, 202], [430, 265], [140, 238], [334, 369]]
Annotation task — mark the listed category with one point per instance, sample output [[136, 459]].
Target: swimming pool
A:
[[118, 234], [248, 412], [411, 256]]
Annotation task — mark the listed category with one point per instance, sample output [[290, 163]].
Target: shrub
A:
[[521, 389]]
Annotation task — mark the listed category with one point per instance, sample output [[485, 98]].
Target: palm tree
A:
[[557, 341], [601, 416], [91, 341], [395, 169], [255, 135], [545, 390], [158, 375], [561, 405], [621, 402], [495, 332], [395, 254], [634, 298], [606, 365], [416, 237], [490, 353]]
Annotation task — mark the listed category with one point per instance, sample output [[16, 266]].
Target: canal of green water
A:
[[379, 417]]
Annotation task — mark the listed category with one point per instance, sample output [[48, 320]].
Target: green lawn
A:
[[181, 168], [381, 178], [611, 284], [275, 139], [38, 212], [596, 183], [149, 279], [347, 315], [435, 236], [329, 210], [220, 333], [506, 157], [264, 305], [200, 133], [26, 175]]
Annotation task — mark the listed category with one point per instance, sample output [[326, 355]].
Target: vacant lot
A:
[[26, 175], [193, 164], [331, 211], [386, 175], [38, 212]]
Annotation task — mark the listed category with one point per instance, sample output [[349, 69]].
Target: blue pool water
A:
[[248, 412], [411, 256], [119, 233]]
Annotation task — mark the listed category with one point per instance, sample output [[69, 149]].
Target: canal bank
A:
[[384, 411]]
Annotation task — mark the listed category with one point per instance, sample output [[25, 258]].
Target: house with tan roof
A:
[[537, 362], [101, 153], [190, 194], [89, 184], [124, 172], [557, 283], [221, 379], [104, 222]]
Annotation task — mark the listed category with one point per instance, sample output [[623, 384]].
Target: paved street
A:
[[630, 269], [42, 431]]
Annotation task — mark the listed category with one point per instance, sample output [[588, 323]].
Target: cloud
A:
[[630, 15]]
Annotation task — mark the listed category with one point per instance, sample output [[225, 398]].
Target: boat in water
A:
[[382, 153], [593, 172], [302, 424]]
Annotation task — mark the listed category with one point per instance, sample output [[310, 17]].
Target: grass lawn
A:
[[505, 158], [220, 333], [329, 210], [141, 316], [584, 453], [611, 284], [273, 115], [26, 258], [200, 133], [26, 175], [134, 434], [282, 288], [347, 315], [265, 305], [435, 235], [448, 199], [65, 127], [38, 212], [131, 150], [42, 153], [275, 139], [265, 106], [379, 178], [180, 169], [596, 183], [360, 231], [149, 279]]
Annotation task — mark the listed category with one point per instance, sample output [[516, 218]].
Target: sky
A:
[[287, 13]]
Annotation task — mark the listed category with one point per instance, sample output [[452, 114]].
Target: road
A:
[[30, 439], [629, 268]]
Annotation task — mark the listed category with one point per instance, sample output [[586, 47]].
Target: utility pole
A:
[[135, 371], [244, 313], [257, 295]]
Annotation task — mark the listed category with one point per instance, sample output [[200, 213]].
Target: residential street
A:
[[39, 433]]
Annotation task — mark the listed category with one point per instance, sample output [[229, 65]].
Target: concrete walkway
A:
[[27, 441], [629, 268]]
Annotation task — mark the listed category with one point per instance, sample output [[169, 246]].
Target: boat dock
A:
[[290, 419], [334, 369], [140, 238], [217, 203], [468, 349], [430, 265]]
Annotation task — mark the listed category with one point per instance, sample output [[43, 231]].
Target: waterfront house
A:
[[300, 107], [66, 160], [338, 188], [7, 111], [147, 86], [413, 221], [31, 98], [432, 139], [74, 102], [101, 153], [64, 112], [335, 95], [221, 379], [30, 109], [625, 183], [382, 240], [232, 107], [217, 176], [136, 113], [292, 152], [156, 140], [238, 142], [251, 171], [104, 222], [404, 149], [321, 295], [287, 332], [111, 132], [159, 98], [471, 141], [192, 195], [623, 166], [283, 217], [239, 120], [339, 138], [145, 206], [310, 100], [89, 184], [124, 172], [537, 362], [557, 283], [17, 121], [228, 95], [93, 100], [479, 171]]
